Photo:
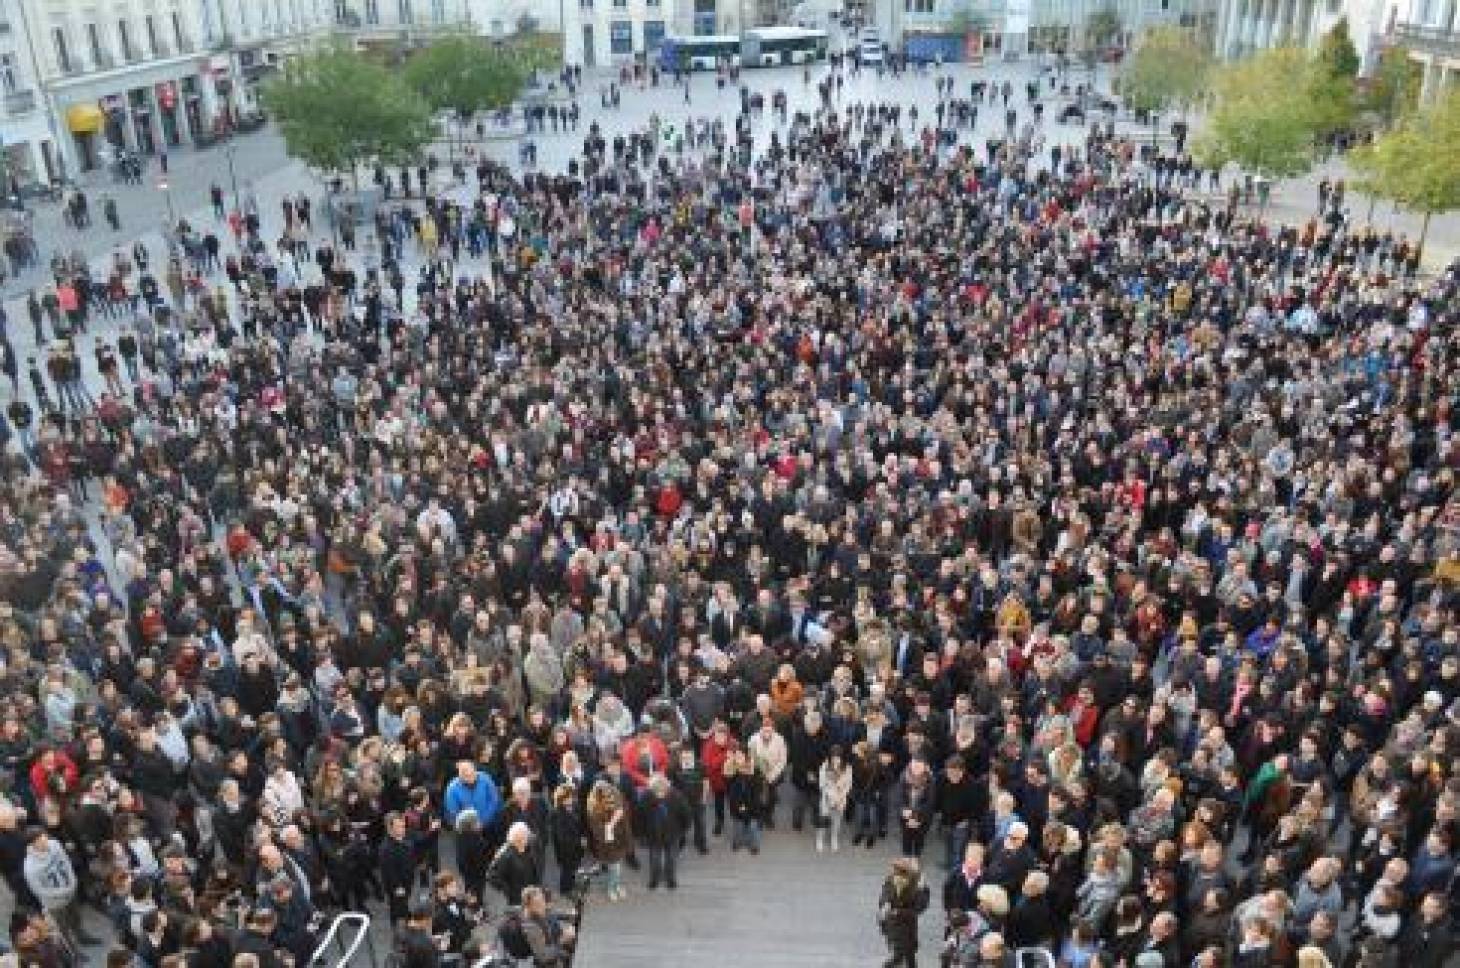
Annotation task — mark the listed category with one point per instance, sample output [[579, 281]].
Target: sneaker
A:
[[820, 845], [835, 846]]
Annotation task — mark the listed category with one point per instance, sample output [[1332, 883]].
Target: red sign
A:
[[167, 95]]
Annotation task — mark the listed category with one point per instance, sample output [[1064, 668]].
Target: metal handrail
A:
[[362, 937]]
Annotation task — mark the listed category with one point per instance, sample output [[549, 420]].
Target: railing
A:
[[333, 944], [20, 102], [1429, 40]]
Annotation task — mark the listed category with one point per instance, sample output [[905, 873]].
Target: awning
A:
[[84, 119]]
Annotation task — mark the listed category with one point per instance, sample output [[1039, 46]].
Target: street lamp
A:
[[228, 151], [163, 184]]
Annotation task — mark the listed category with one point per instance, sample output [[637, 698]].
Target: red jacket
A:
[[64, 769], [712, 761], [632, 750]]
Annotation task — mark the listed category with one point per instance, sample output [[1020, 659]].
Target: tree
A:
[[1416, 164], [1394, 88], [1271, 111], [1337, 53], [465, 74], [336, 109], [1102, 27], [1168, 69]]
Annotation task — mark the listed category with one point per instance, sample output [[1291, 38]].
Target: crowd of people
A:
[[1022, 508]]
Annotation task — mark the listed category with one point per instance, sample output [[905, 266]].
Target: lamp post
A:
[[166, 187], [228, 152]]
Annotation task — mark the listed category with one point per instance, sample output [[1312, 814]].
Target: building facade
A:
[[245, 40], [1246, 26], [28, 145], [1430, 31], [147, 75], [600, 33]]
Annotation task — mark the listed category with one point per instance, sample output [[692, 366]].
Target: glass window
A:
[[621, 37], [653, 34]]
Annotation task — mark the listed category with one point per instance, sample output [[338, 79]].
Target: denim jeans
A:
[[614, 874], [746, 833]]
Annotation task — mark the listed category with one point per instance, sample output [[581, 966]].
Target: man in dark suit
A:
[[663, 818]]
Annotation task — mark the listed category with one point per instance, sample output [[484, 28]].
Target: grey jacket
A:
[[50, 876]]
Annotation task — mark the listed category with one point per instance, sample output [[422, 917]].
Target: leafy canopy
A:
[[1394, 88], [1270, 110], [335, 108], [1168, 68], [1417, 163], [1337, 53], [465, 74]]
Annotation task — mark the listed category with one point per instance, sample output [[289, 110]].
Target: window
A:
[[407, 15], [177, 33], [438, 11], [93, 41], [585, 4], [653, 34], [918, 6], [651, 3], [621, 37], [124, 37], [7, 73], [620, 3], [63, 53], [151, 24], [372, 11]]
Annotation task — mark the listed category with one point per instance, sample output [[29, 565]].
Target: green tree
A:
[[336, 110], [1394, 88], [1336, 51], [1416, 164], [465, 74], [1102, 27], [1271, 111], [1251, 123], [1168, 69]]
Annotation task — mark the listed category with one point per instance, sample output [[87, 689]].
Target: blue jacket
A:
[[481, 797]]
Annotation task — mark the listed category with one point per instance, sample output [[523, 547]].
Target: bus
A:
[[776, 46], [698, 53]]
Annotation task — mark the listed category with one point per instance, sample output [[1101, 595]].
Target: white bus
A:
[[698, 53], [776, 46]]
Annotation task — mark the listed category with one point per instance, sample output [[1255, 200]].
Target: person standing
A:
[[609, 833], [397, 858], [52, 879], [904, 899], [664, 816]]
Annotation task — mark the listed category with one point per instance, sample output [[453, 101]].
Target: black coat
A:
[[806, 754], [1030, 923], [662, 821], [513, 871], [902, 901]]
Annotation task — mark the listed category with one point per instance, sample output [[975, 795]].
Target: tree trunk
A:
[[1369, 219], [1424, 231]]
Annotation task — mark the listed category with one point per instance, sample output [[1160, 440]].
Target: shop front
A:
[[166, 96], [86, 123]]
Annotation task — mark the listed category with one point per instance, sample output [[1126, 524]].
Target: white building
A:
[[1430, 30], [145, 75], [1245, 26], [245, 40], [608, 32], [28, 146], [1013, 28], [706, 17]]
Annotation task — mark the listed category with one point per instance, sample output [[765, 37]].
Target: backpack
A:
[[511, 935]]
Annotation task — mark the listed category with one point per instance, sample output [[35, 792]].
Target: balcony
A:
[[1436, 41], [19, 102]]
